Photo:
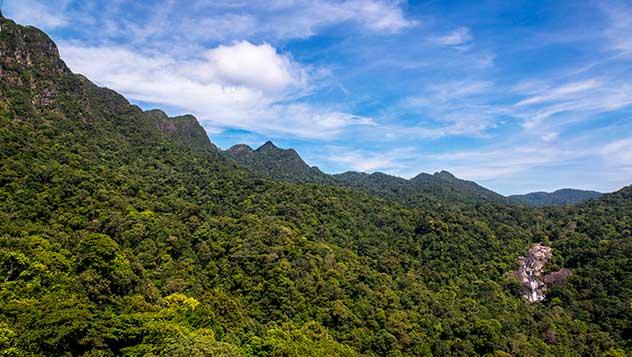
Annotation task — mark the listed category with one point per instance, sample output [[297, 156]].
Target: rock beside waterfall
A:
[[531, 273]]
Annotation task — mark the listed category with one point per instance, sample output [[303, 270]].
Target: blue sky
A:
[[517, 95]]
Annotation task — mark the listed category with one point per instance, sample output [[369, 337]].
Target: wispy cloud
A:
[[395, 162], [147, 21], [300, 19], [579, 99], [497, 163], [458, 37], [562, 92], [453, 108], [619, 153], [619, 29], [48, 15]]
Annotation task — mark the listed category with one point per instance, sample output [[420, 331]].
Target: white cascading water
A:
[[533, 283], [531, 272]]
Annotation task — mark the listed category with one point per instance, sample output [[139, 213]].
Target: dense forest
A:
[[124, 232]]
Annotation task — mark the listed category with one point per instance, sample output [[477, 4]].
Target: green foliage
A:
[[273, 162], [557, 198], [311, 340], [116, 238], [424, 190]]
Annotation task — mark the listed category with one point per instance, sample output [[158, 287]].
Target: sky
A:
[[518, 96]]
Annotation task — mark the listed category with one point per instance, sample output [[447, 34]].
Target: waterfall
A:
[[533, 284], [531, 272]]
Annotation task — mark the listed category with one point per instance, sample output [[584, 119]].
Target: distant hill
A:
[[286, 164], [440, 187], [450, 185], [566, 196]]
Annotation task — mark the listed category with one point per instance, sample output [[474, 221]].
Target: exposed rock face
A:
[[555, 277], [184, 130], [531, 275], [240, 149], [30, 64]]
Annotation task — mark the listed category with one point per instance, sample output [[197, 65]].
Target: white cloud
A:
[[619, 29], [619, 152], [243, 85], [549, 137], [303, 18], [363, 162], [380, 15], [562, 92], [47, 15], [497, 163], [460, 36], [454, 108], [246, 64], [223, 21], [452, 91], [395, 162], [577, 99]]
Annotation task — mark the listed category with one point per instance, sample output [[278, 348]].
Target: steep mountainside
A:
[[424, 189], [561, 197], [124, 232]]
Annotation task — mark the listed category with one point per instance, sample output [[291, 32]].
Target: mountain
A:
[[125, 232], [561, 197], [442, 187], [271, 161], [453, 188]]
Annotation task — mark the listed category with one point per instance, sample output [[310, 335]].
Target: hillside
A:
[[125, 232], [424, 189], [561, 197]]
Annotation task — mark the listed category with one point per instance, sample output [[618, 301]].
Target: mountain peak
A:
[[446, 175], [272, 161], [30, 48], [240, 150], [183, 129], [269, 145]]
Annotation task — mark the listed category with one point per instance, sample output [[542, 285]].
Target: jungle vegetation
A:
[[124, 232]]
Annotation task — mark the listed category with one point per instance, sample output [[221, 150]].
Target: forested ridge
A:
[[421, 190], [556, 198], [125, 232], [440, 187]]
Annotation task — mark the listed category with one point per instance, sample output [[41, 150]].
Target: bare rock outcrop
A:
[[531, 273]]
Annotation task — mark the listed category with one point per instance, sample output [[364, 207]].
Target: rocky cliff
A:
[[531, 273]]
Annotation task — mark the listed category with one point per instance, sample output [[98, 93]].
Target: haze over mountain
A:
[[128, 232]]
